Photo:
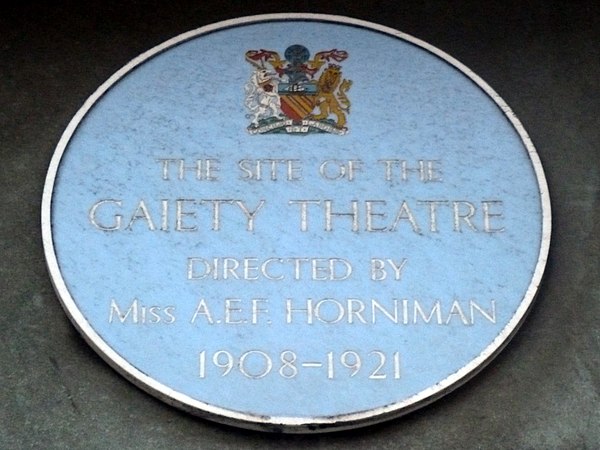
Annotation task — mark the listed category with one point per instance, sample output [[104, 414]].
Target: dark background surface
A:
[[542, 391]]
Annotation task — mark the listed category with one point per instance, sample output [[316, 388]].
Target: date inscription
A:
[[256, 364]]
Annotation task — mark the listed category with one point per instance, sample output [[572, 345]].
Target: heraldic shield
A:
[[297, 95]]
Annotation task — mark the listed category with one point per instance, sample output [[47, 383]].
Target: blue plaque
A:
[[296, 222]]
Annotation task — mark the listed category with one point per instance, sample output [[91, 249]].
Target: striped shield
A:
[[297, 101]]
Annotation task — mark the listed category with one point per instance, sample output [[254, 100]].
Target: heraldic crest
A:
[[297, 95]]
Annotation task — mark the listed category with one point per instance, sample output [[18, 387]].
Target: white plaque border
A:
[[276, 423]]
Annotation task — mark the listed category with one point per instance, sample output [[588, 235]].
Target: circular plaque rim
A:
[[284, 423]]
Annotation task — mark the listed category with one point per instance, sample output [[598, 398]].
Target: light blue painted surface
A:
[[188, 102]]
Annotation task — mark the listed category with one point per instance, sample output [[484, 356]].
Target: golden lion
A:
[[329, 101]]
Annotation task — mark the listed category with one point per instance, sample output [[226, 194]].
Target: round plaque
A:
[[296, 222]]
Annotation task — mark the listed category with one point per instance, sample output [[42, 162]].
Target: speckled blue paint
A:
[[187, 102]]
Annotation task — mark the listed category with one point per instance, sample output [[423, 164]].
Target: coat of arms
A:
[[297, 94]]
